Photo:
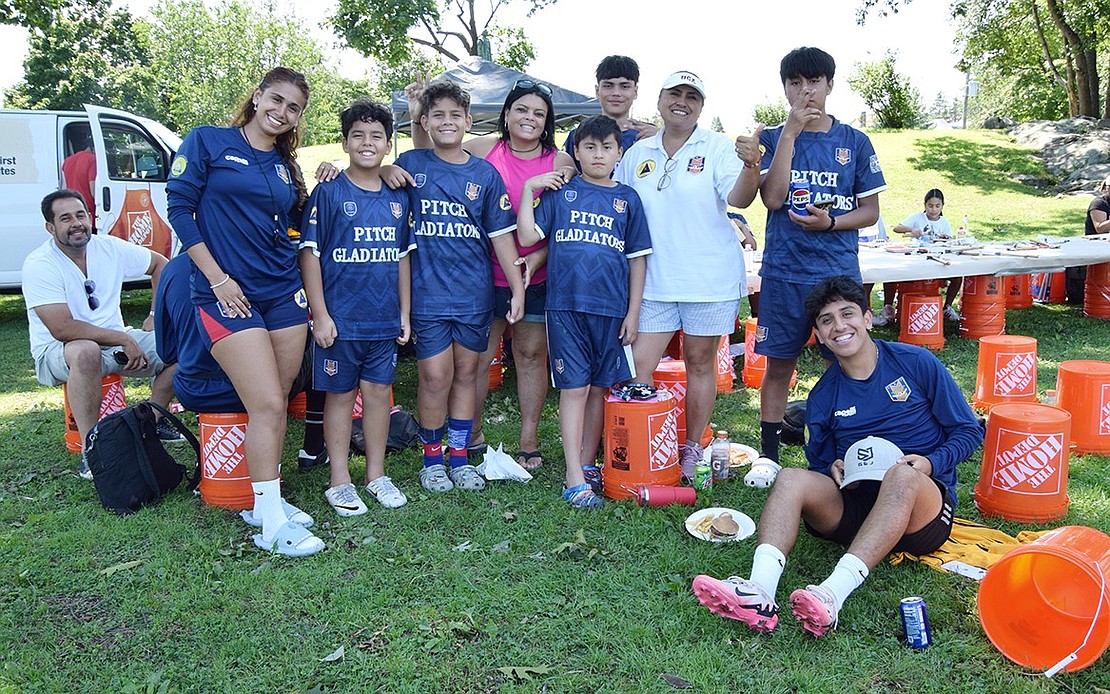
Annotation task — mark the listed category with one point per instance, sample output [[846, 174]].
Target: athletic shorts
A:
[[271, 314], [51, 368], [535, 298], [700, 318], [339, 368], [858, 503], [784, 328], [585, 350], [431, 336]]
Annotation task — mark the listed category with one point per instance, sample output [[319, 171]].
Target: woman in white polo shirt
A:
[[686, 177]]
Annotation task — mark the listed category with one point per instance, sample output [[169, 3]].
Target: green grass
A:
[[450, 593]]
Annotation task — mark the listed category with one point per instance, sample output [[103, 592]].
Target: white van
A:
[[133, 157]]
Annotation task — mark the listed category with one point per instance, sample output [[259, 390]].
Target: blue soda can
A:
[[915, 621], [800, 196]]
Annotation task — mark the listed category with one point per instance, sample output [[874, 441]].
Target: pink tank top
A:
[[515, 171]]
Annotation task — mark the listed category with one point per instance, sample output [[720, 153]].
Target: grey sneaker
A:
[[345, 500], [386, 493], [434, 479], [951, 314], [467, 477], [83, 470], [690, 455]]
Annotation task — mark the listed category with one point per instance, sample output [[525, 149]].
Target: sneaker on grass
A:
[[83, 470], [815, 607], [950, 314], [345, 500], [386, 493], [306, 460], [689, 456], [167, 433], [737, 598]]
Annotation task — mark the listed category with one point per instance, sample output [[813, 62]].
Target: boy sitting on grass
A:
[[598, 240], [459, 209], [355, 266]]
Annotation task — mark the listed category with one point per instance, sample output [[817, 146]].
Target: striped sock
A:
[[458, 438], [433, 444]]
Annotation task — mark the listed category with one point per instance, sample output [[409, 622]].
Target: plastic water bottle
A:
[[719, 456], [962, 231]]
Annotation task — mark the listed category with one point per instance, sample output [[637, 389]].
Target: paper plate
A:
[[747, 525], [739, 455]]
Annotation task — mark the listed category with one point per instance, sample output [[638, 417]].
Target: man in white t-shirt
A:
[[72, 285]]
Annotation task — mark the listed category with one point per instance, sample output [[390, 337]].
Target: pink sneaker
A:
[[815, 607], [738, 598]]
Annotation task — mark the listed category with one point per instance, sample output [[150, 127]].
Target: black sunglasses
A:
[[90, 287], [533, 84]]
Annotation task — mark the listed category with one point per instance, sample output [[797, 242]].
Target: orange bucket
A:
[[674, 347], [1096, 296], [1018, 291], [982, 307], [641, 444], [1083, 389], [919, 287], [497, 367], [726, 374], [1024, 474], [671, 374], [755, 365], [296, 408], [112, 399], [225, 480], [356, 411], [1048, 600], [1048, 288], [1007, 371], [922, 321]]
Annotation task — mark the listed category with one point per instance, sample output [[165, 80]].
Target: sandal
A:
[[291, 540], [477, 447], [592, 473], [434, 479], [763, 473], [466, 477], [582, 496], [294, 514], [522, 458]]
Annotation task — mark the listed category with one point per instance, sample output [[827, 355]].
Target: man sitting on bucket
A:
[[874, 495]]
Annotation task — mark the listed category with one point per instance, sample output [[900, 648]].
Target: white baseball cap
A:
[[685, 77], [869, 459]]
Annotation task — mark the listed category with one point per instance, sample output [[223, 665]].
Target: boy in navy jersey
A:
[[355, 262], [598, 240], [459, 209], [811, 159], [618, 84]]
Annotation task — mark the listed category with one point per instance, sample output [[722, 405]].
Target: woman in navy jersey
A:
[[234, 194]]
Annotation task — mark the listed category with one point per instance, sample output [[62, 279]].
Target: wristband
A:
[[221, 282], [151, 313], [832, 223], [750, 166]]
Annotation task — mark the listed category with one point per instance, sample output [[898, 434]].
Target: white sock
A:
[[767, 566], [848, 575], [267, 506]]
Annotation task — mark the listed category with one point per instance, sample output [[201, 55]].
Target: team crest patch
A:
[[535, 203], [696, 165], [179, 164], [874, 164], [420, 179], [504, 203], [760, 333], [473, 190], [644, 170], [570, 195], [620, 205], [843, 156], [395, 209], [559, 366], [300, 298], [331, 367], [350, 208], [282, 172], [899, 391]]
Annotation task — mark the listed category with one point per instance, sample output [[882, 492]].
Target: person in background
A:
[[1097, 221], [79, 173], [618, 84], [747, 241], [930, 225], [872, 234]]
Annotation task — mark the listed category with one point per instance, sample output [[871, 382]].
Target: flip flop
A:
[[293, 513], [291, 540], [522, 458]]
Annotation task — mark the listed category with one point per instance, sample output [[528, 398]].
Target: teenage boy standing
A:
[[618, 78]]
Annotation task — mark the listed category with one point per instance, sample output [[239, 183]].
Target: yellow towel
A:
[[972, 544]]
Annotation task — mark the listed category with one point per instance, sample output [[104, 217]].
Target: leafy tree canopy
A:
[[895, 102]]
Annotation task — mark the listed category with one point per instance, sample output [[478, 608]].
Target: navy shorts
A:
[[431, 336], [784, 328], [535, 298], [586, 350], [271, 314], [858, 502], [339, 368]]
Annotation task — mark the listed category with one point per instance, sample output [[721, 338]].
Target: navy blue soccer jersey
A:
[[240, 202], [456, 210], [359, 236], [592, 232], [838, 165]]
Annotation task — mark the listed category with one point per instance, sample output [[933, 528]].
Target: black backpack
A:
[[130, 466], [404, 432], [794, 424]]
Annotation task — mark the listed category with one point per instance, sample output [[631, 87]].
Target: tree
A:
[[31, 13], [716, 126], [86, 53], [388, 30], [895, 102], [771, 113]]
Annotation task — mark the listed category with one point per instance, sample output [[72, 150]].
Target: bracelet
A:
[[750, 166], [151, 313], [221, 282], [832, 223]]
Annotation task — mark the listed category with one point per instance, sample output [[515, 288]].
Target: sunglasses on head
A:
[[90, 287], [533, 84]]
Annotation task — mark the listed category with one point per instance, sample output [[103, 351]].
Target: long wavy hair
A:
[[547, 139], [288, 141]]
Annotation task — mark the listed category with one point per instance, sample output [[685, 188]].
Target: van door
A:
[[132, 166]]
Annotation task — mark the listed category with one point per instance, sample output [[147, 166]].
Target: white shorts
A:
[[699, 318], [51, 368]]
